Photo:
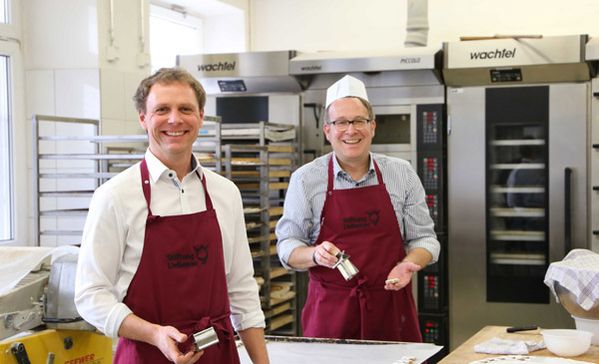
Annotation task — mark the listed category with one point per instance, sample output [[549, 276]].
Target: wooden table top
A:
[[465, 353]]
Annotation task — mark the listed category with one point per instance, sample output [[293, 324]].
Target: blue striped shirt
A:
[[300, 223]]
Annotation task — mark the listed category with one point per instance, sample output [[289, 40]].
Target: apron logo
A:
[[188, 260], [374, 216], [201, 253], [361, 222]]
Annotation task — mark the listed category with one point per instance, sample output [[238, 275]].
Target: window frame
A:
[[10, 46], [11, 29], [168, 15]]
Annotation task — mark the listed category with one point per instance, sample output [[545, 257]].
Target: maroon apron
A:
[[362, 222], [180, 282]]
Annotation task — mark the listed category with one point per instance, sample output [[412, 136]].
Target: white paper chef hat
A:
[[347, 86]]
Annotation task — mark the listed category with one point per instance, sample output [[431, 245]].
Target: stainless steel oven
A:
[[518, 157], [592, 54], [397, 83]]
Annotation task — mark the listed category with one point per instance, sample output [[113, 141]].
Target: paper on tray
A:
[[325, 353], [522, 359], [17, 262]]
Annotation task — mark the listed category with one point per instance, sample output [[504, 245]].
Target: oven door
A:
[[395, 133]]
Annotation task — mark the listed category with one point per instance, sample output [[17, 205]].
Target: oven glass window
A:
[[392, 129], [517, 194]]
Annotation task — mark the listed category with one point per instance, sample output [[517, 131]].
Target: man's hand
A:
[[324, 254], [166, 339], [401, 275]]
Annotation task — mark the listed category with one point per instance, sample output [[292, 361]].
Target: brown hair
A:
[[167, 76]]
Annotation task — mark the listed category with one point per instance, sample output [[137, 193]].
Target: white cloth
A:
[[578, 272], [345, 87], [17, 261], [113, 239], [505, 346]]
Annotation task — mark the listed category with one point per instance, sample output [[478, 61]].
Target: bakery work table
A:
[[465, 353], [301, 350]]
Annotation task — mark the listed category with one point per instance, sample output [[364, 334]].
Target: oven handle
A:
[[567, 210]]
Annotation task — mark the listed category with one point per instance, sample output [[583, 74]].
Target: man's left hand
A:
[[401, 275]]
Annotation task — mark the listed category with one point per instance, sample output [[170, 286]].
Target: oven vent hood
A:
[[242, 73], [516, 60], [407, 59]]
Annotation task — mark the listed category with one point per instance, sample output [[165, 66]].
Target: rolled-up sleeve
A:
[[293, 229], [419, 228]]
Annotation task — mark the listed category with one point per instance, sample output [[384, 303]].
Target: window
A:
[[13, 131], [6, 193], [3, 11], [172, 33]]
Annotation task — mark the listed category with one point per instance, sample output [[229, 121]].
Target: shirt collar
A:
[[156, 168], [337, 168]]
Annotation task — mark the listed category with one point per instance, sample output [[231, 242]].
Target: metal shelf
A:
[[261, 169]]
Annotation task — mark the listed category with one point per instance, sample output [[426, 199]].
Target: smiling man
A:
[[164, 252], [372, 208]]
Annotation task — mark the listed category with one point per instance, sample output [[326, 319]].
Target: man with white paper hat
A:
[[367, 208]]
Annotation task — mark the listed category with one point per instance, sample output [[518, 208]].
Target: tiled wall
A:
[[67, 74]]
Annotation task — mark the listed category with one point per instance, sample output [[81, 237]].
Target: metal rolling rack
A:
[[259, 158], [71, 159]]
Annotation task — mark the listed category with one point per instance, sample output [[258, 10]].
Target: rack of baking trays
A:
[[259, 158]]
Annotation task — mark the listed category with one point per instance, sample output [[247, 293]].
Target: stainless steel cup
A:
[[345, 266]]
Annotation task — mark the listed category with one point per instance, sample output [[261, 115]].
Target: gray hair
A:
[[327, 118]]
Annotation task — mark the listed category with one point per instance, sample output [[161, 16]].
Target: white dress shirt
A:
[[113, 240]]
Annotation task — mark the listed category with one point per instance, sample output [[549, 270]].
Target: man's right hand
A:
[[166, 339], [325, 254]]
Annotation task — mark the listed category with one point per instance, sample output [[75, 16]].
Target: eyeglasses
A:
[[343, 125]]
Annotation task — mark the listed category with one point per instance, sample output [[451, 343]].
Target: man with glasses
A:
[[165, 252], [367, 208]]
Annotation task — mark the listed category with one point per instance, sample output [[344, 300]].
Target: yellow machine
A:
[[38, 319], [57, 346]]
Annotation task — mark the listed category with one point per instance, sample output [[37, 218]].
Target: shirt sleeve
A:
[[97, 268], [418, 225], [244, 299], [293, 229]]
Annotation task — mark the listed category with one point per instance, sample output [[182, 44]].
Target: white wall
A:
[[226, 33], [72, 69], [312, 25]]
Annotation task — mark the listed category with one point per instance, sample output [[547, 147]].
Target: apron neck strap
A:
[[379, 175], [145, 185], [206, 195]]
